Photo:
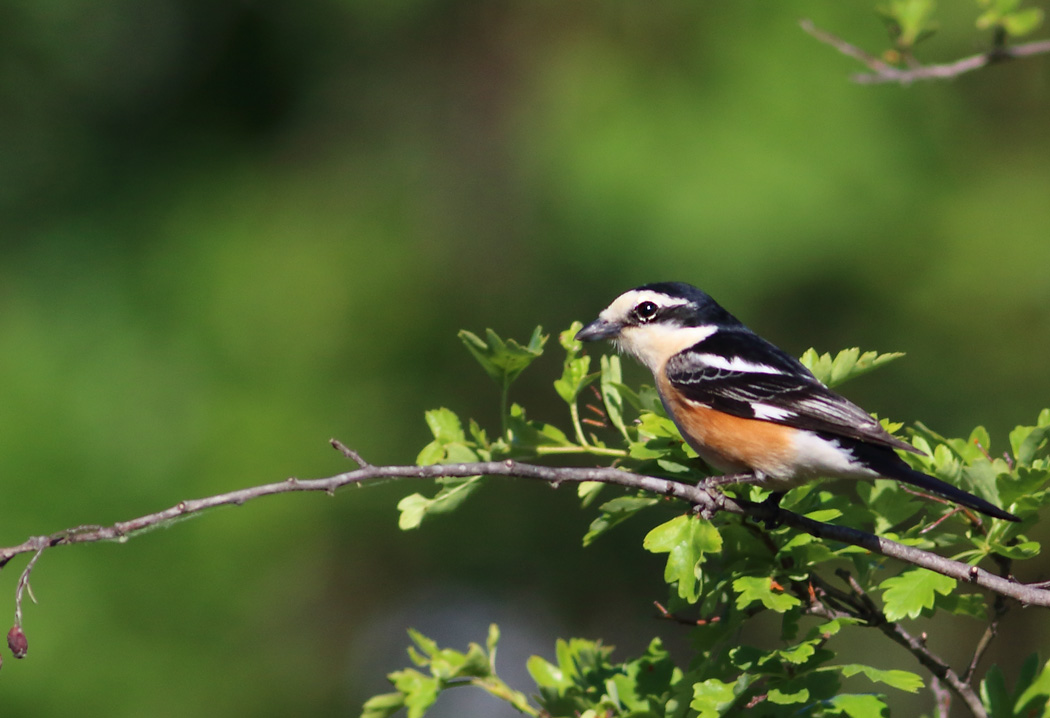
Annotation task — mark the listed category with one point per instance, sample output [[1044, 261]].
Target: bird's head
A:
[[654, 322]]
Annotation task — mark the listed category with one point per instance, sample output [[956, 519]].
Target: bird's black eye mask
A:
[[647, 312]]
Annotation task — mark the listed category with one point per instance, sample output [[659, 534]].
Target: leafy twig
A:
[[883, 72], [857, 604], [704, 501]]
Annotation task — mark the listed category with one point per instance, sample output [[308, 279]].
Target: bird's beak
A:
[[599, 329]]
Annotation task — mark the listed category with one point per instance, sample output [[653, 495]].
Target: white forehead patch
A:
[[623, 304]]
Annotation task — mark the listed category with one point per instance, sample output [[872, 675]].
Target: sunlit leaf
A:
[[908, 594]]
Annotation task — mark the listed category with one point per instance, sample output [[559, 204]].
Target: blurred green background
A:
[[232, 230]]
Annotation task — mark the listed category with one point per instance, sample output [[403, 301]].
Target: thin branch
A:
[[858, 604], [348, 452], [663, 613], [936, 666], [24, 586], [704, 501], [942, 698], [883, 72], [918, 648], [999, 610]]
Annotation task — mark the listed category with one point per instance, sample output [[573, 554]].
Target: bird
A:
[[749, 408]]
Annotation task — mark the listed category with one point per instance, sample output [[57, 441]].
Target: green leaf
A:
[[889, 503], [1015, 23], [779, 697], [1019, 551], [615, 512], [994, 694], [908, 594], [964, 604], [1032, 447], [574, 375], [419, 690], [546, 674], [503, 360], [824, 515], [895, 678], [912, 18], [492, 640], [713, 697], [612, 397], [527, 435], [685, 539], [383, 706], [847, 364], [415, 507], [1033, 689], [858, 706], [588, 491], [652, 425], [445, 425], [450, 444], [760, 588]]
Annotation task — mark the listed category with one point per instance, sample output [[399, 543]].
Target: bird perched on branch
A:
[[747, 407]]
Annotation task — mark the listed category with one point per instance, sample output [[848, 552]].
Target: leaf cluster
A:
[[909, 22], [722, 574]]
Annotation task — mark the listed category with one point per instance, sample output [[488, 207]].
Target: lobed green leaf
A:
[[750, 589], [911, 592], [895, 678], [686, 540], [615, 512], [847, 364], [503, 360]]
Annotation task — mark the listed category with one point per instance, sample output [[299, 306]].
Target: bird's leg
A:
[[713, 482], [770, 504]]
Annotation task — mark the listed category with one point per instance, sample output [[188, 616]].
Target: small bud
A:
[[16, 641]]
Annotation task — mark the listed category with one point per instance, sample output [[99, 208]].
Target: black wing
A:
[[740, 373]]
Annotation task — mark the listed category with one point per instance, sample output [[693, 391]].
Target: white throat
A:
[[654, 344]]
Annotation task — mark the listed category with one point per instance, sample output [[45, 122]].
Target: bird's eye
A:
[[646, 311]]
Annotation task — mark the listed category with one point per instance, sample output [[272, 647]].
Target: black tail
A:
[[903, 472]]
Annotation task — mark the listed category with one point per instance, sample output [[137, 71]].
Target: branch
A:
[[704, 501], [960, 685], [858, 604], [883, 72], [936, 666]]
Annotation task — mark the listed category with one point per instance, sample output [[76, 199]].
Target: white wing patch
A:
[[738, 364], [770, 413]]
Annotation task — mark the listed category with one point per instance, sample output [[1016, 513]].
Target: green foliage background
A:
[[231, 231]]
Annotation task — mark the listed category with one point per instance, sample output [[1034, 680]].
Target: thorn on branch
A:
[[349, 453]]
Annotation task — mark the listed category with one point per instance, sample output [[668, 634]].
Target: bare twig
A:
[[23, 583], [705, 501], [933, 663], [999, 610], [883, 72], [942, 698], [348, 453], [663, 613]]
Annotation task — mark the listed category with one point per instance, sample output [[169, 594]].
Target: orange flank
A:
[[731, 443]]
